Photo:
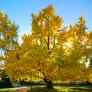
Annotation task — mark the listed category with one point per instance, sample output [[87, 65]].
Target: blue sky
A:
[[20, 11]]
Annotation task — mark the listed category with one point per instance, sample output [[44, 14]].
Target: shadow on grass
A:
[[86, 88], [42, 89], [82, 89], [62, 89], [20, 89]]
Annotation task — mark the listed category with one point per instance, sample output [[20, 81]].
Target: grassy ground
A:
[[86, 88], [7, 89], [17, 89]]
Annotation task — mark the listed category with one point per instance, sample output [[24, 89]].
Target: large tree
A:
[[51, 52], [45, 26], [36, 55]]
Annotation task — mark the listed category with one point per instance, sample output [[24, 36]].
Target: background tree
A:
[[8, 40], [5, 80], [77, 50], [51, 52]]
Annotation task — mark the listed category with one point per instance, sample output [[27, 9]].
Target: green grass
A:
[[7, 89], [18, 89], [86, 88], [74, 88]]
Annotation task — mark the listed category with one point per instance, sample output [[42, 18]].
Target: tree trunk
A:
[[49, 83]]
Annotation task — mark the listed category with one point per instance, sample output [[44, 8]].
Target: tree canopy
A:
[[50, 52]]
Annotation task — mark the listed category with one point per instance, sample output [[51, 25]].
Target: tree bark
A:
[[49, 83]]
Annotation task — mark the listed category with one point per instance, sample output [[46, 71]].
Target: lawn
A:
[[86, 88], [17, 89], [7, 89]]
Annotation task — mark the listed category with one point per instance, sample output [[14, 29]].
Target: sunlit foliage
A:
[[51, 52]]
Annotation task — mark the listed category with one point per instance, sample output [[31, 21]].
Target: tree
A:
[[51, 52], [45, 28], [37, 50], [77, 50], [5, 80], [8, 40], [8, 32], [8, 35]]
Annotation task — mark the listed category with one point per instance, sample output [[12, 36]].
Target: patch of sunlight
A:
[[7, 89], [87, 63], [69, 44], [62, 88]]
